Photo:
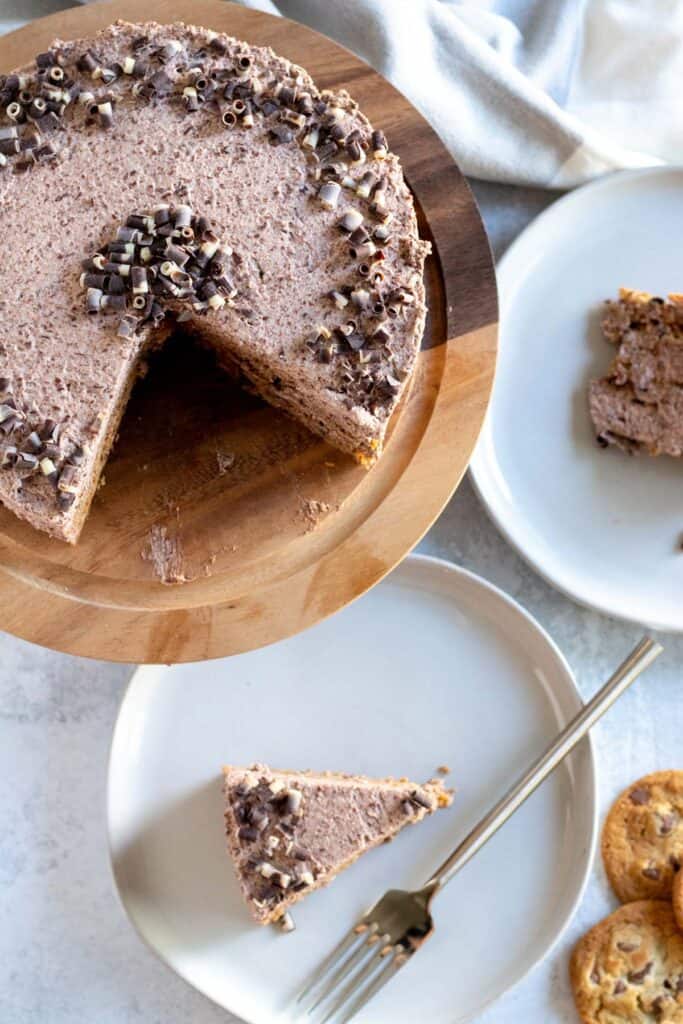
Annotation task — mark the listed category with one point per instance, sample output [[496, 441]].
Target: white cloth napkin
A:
[[543, 92], [536, 92]]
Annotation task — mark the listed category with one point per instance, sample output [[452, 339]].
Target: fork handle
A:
[[638, 660]]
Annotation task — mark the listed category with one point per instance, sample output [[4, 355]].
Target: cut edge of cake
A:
[[637, 405], [270, 816]]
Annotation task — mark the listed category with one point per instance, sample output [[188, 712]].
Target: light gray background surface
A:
[[67, 953]]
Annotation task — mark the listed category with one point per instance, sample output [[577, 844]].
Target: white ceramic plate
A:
[[433, 666], [603, 527]]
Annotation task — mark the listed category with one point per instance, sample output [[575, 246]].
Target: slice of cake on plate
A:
[[292, 832], [638, 405]]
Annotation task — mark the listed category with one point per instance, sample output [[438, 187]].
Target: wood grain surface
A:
[[271, 529]]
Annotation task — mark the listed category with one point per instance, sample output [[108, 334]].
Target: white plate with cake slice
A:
[[433, 667], [603, 526]]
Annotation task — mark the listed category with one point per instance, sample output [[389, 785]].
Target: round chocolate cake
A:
[[155, 175]]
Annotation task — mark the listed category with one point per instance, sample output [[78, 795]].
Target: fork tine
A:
[[356, 983], [335, 956], [385, 974], [367, 948]]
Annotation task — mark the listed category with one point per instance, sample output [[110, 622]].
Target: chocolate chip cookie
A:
[[629, 967], [677, 899], [642, 841]]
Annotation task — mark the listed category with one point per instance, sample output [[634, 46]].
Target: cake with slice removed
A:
[[638, 405], [152, 173], [292, 832]]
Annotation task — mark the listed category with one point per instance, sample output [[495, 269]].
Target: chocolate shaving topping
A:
[[37, 450], [248, 833], [379, 145], [351, 220], [167, 253], [8, 457], [26, 461], [286, 923], [125, 281], [280, 133]]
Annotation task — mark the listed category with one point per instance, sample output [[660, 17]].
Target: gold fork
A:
[[394, 929]]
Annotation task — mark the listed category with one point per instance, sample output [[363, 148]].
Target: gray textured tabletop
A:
[[67, 953]]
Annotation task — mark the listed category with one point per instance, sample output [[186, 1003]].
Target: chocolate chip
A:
[[667, 823], [653, 873], [595, 976], [619, 987], [627, 947], [637, 977], [640, 795]]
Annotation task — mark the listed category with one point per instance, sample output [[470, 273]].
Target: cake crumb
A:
[[285, 924], [225, 460], [206, 567], [313, 511], [443, 769]]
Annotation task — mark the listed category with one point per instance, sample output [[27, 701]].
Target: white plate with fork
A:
[[434, 666]]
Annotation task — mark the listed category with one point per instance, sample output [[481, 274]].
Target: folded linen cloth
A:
[[535, 92]]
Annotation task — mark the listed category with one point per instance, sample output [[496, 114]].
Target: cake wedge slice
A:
[[292, 832]]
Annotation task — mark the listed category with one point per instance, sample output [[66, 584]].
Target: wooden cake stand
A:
[[270, 529]]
